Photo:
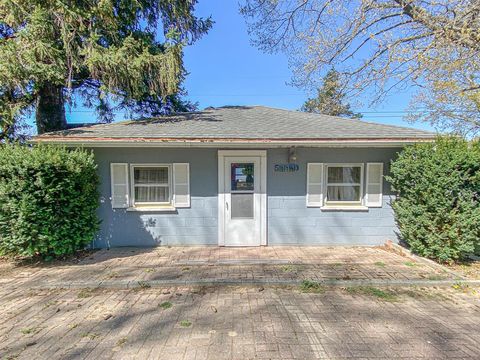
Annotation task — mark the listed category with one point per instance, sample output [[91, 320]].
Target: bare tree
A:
[[382, 45]]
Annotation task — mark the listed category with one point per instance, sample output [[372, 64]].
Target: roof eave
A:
[[219, 142]]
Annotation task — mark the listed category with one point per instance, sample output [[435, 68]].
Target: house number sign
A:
[[286, 167]]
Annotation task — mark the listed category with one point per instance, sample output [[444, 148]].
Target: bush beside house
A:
[[48, 200], [438, 204]]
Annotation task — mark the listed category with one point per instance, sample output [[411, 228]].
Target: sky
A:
[[225, 69]]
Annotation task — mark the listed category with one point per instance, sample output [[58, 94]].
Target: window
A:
[[242, 190], [344, 184], [151, 184]]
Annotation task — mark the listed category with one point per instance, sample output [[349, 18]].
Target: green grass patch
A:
[[288, 268], [26, 331], [166, 305], [372, 291], [90, 335], [185, 323], [150, 270], [410, 263], [308, 286], [85, 293], [121, 341], [380, 264]]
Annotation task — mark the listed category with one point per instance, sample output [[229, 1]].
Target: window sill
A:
[[344, 208], [151, 208]]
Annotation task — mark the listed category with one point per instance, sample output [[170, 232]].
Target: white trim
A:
[[151, 209], [344, 208], [132, 186], [263, 199], [127, 188], [261, 153], [222, 154], [321, 194], [221, 200], [234, 144], [367, 182], [174, 201], [361, 185]]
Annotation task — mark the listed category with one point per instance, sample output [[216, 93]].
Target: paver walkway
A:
[[129, 267], [238, 323]]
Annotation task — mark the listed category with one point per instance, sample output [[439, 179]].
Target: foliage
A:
[[103, 52], [166, 305], [185, 323], [330, 98], [309, 286], [438, 204], [382, 45], [48, 200]]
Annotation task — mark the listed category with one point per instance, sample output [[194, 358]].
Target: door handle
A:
[[226, 205]]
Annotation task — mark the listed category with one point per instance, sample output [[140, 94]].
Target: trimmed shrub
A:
[[438, 205], [48, 200]]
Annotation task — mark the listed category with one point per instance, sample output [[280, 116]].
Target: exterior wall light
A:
[[292, 155]]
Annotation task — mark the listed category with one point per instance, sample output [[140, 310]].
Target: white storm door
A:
[[242, 201]]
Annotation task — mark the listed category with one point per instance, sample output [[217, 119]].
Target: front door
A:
[[242, 201]]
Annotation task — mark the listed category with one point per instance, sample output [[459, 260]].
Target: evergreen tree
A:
[[106, 52], [330, 99]]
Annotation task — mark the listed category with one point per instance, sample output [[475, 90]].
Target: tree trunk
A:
[[50, 109]]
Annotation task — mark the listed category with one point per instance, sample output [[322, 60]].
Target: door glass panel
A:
[[242, 206], [242, 176]]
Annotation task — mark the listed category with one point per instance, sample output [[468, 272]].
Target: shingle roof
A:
[[249, 123]]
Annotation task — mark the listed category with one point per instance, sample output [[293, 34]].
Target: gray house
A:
[[243, 176]]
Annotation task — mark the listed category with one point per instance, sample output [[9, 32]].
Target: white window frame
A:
[[132, 185], [361, 184]]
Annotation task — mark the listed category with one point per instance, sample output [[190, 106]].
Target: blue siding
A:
[[196, 225], [289, 220]]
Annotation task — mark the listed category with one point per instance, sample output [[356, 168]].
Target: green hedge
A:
[[48, 200], [438, 204]]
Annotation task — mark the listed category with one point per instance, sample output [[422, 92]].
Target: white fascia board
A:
[[234, 144]]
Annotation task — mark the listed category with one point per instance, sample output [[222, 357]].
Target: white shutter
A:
[[119, 183], [181, 185], [373, 197], [314, 184]]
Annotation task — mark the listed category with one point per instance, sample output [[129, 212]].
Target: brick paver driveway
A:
[[225, 322], [90, 310]]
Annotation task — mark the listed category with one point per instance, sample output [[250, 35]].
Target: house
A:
[[243, 176]]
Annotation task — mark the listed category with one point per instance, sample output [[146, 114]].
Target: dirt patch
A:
[[470, 269]]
